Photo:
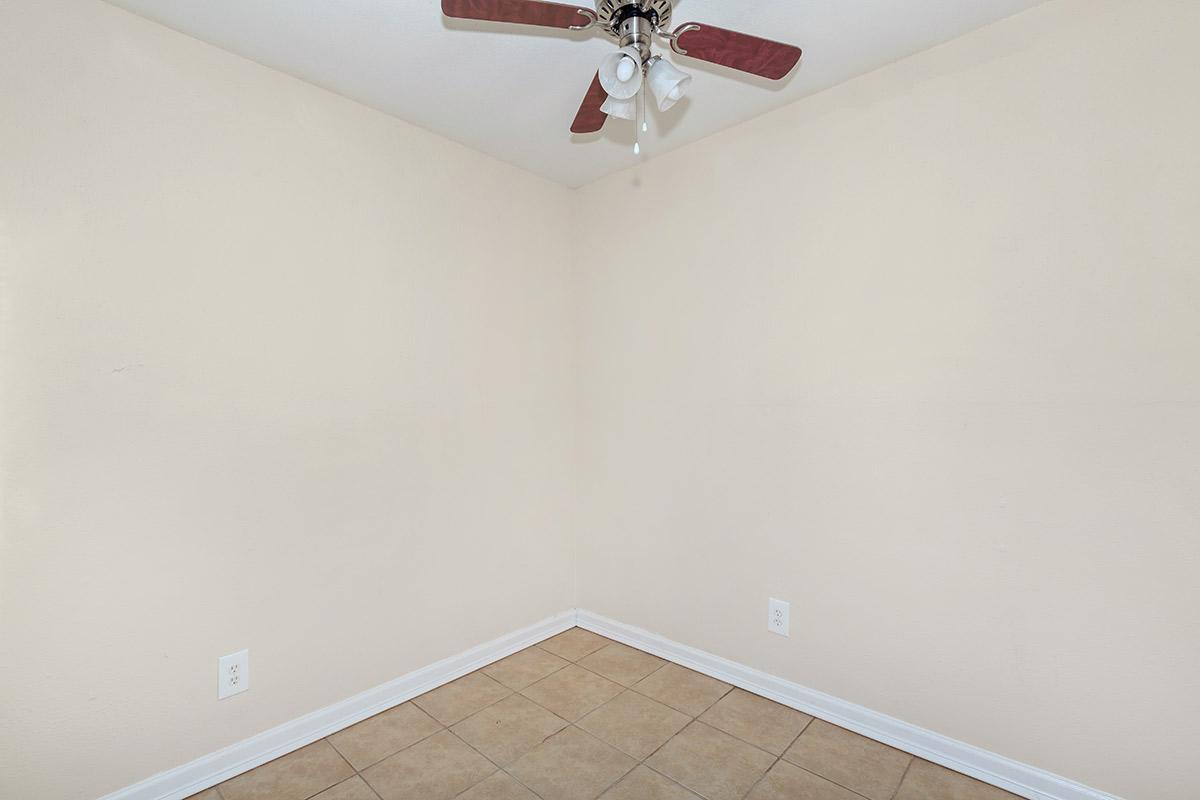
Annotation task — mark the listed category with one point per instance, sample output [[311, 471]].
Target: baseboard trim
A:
[[209, 770], [1020, 779]]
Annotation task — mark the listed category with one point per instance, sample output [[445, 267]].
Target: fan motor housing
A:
[[611, 13]]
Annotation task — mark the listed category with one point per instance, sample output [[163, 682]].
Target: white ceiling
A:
[[512, 91]]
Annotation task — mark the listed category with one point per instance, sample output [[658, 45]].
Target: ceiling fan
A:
[[619, 88]]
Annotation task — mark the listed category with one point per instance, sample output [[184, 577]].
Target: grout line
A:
[[441, 726], [828, 780], [779, 757], [762, 777], [654, 752], [521, 782], [735, 738], [692, 719], [389, 755], [473, 786], [807, 725], [368, 785], [475, 749], [907, 766], [667, 777], [637, 762], [624, 689], [680, 710], [618, 683], [612, 699], [343, 755], [327, 788], [569, 722], [614, 747], [490, 761], [509, 693], [585, 655], [903, 777], [565, 664], [621, 779], [346, 780]]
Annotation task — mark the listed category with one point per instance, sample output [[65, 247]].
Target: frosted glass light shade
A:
[[667, 83], [621, 109], [618, 64]]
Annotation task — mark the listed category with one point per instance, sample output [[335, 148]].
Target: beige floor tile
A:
[[376, 738], [571, 765], [574, 644], [646, 784], [507, 730], [756, 720], [728, 752], [572, 692], [500, 786], [634, 723], [460, 699], [437, 768], [711, 762], [524, 668], [872, 769], [622, 664], [296, 776], [353, 789], [786, 782], [682, 689], [207, 794], [926, 781]]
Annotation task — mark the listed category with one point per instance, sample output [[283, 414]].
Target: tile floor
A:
[[580, 717]]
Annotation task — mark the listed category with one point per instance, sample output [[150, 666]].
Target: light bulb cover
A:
[[610, 78], [621, 109], [667, 83]]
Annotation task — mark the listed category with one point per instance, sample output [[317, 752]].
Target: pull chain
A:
[[641, 120]]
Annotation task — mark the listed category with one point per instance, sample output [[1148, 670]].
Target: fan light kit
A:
[[619, 88]]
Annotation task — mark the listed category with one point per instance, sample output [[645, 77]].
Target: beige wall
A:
[[921, 355], [280, 373]]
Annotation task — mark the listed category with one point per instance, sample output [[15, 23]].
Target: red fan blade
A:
[[590, 118], [739, 51], [526, 12]]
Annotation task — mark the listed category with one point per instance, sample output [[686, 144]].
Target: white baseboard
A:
[[209, 770], [206, 771], [1020, 779]]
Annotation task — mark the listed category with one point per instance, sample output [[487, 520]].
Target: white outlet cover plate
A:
[[779, 617], [233, 674]]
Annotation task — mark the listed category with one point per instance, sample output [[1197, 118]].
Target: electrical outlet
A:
[[779, 616], [233, 674]]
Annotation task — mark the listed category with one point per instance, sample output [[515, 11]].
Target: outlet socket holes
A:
[[233, 674], [779, 614]]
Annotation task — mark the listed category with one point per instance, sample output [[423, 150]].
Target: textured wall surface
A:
[[281, 373], [921, 355]]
